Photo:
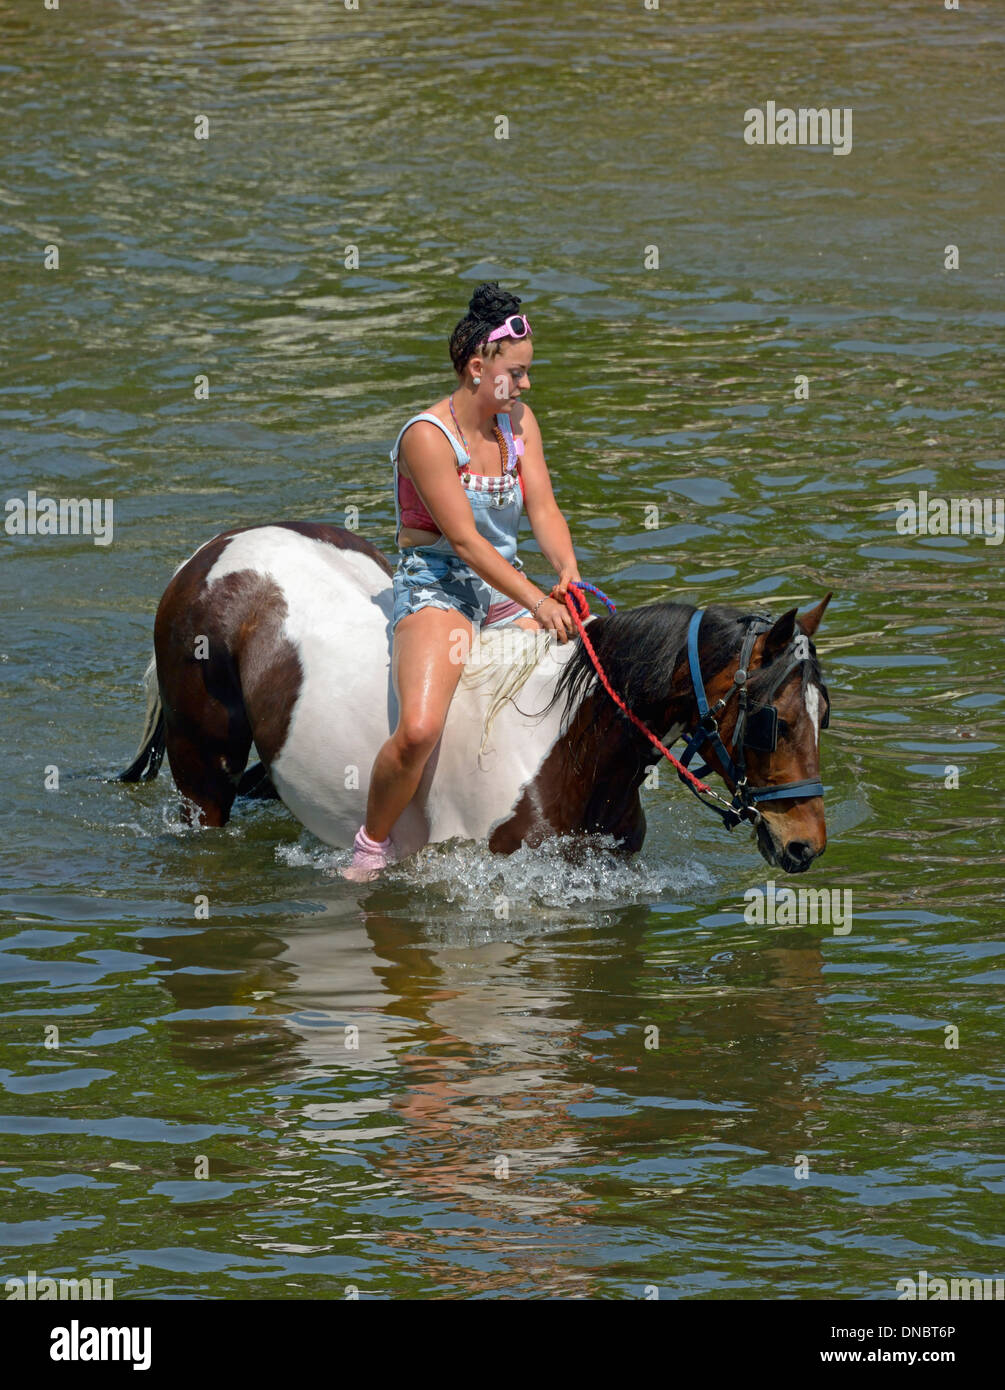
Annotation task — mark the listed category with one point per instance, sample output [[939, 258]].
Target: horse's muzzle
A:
[[793, 856]]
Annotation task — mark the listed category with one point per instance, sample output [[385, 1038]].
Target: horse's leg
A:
[[227, 677], [207, 768], [207, 733]]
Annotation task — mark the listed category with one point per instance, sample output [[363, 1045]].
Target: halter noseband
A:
[[756, 730]]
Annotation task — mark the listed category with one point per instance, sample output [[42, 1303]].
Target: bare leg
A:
[[425, 674]]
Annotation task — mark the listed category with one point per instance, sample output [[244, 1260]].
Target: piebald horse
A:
[[277, 636]]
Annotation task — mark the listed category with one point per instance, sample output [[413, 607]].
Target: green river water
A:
[[502, 1129]]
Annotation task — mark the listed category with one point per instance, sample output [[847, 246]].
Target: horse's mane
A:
[[641, 650]]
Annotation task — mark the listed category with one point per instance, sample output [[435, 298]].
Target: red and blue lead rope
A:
[[580, 610]]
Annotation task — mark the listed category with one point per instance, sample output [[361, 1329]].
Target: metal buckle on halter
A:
[[709, 720], [747, 805]]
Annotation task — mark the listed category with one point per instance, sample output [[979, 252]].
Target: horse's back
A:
[[302, 557]]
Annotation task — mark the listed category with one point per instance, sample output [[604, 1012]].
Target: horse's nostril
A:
[[799, 850]]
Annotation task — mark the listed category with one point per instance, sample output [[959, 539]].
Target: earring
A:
[[477, 380]]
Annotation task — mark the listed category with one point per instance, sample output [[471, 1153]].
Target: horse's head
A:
[[768, 704], [745, 692]]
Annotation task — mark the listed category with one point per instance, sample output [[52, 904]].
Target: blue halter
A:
[[750, 731]]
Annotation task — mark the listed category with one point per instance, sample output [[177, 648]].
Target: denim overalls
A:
[[434, 576]]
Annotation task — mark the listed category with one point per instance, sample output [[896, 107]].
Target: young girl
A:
[[463, 471]]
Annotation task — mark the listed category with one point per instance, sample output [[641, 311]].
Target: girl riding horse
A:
[[463, 472]]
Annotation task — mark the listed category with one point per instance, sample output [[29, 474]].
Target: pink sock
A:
[[370, 843]]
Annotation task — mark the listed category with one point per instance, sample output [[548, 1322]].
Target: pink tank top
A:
[[412, 508]]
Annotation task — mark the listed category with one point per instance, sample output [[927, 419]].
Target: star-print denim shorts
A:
[[428, 578]]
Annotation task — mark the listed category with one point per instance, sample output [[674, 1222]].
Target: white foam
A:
[[475, 881]]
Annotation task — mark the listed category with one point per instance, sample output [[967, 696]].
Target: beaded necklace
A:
[[503, 451]]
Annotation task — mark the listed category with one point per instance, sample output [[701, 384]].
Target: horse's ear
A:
[[810, 621], [781, 634]]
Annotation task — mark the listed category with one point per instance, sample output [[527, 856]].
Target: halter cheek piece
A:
[[756, 728]]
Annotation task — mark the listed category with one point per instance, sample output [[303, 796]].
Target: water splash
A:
[[558, 874]]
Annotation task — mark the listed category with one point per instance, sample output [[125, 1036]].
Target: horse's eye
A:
[[783, 728]]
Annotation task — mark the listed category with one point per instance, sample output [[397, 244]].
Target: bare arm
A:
[[551, 531]]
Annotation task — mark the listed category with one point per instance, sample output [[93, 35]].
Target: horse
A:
[[278, 636]]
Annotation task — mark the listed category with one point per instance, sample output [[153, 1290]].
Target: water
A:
[[502, 1128]]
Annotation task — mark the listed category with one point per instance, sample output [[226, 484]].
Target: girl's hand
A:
[[564, 580], [555, 616]]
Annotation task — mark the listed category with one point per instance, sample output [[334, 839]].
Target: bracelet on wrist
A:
[[533, 611]]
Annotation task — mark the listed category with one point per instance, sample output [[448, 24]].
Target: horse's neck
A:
[[588, 782], [581, 773]]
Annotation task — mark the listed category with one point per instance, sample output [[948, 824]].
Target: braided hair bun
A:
[[488, 307], [491, 304]]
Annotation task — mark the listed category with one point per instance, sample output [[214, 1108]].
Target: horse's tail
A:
[[150, 754]]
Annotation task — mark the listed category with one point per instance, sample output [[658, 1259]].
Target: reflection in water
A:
[[488, 1084]]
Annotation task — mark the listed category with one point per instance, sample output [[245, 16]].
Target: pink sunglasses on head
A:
[[516, 326]]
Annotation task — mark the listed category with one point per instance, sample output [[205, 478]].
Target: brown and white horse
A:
[[277, 636]]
